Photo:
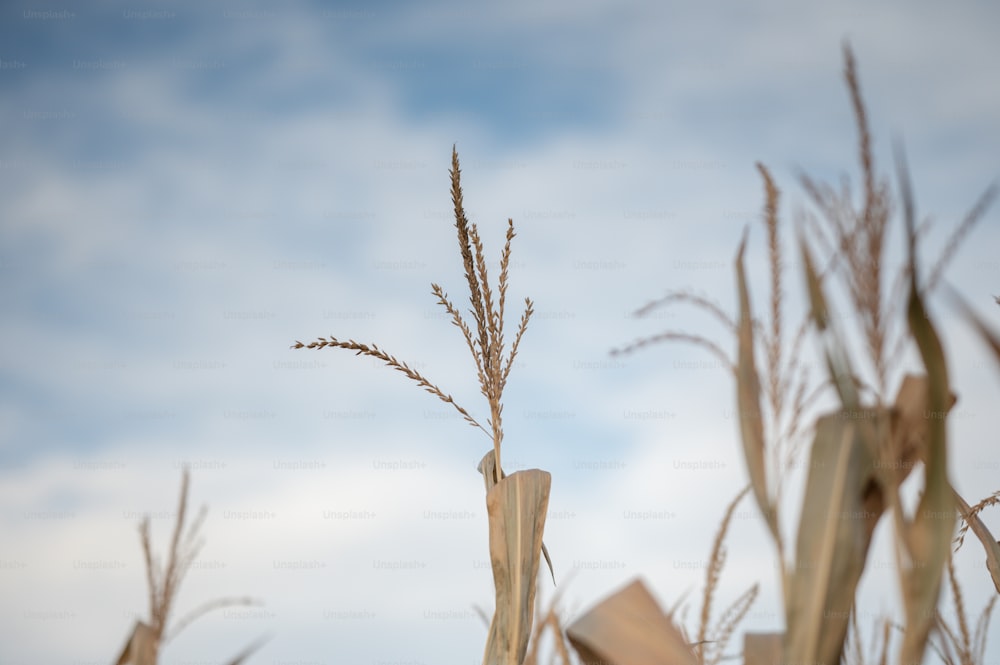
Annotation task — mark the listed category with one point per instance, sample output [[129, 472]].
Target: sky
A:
[[186, 189]]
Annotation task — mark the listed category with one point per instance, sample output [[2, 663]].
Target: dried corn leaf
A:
[[909, 433], [897, 450], [837, 361], [928, 535], [140, 649], [834, 534], [748, 403], [629, 628], [762, 648], [487, 466], [903, 448], [516, 507]]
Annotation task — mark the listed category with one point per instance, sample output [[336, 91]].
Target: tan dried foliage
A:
[[516, 506], [629, 628]]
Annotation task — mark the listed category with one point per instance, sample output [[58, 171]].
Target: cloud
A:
[[248, 179]]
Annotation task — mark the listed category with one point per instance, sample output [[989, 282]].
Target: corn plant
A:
[[516, 503]]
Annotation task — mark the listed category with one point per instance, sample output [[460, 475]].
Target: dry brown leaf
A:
[[927, 537], [762, 648], [748, 403], [629, 628], [909, 431], [834, 534], [835, 353], [516, 506], [903, 447], [487, 466], [140, 648]]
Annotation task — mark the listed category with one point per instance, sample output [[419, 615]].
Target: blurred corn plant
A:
[[164, 580], [864, 450]]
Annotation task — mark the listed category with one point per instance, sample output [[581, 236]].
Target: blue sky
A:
[[186, 189]]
